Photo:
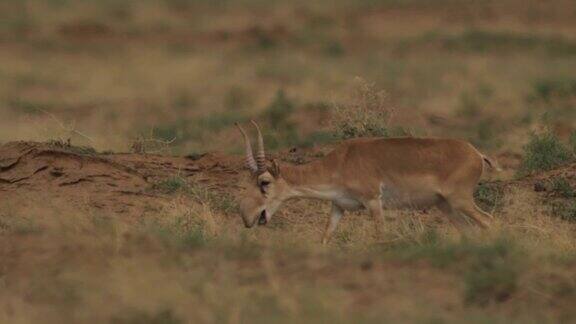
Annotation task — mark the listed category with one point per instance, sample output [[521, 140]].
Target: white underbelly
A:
[[348, 203], [393, 198]]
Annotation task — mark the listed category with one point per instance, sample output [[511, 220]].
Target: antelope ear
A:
[[275, 169]]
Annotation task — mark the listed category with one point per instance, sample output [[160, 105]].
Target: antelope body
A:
[[371, 173]]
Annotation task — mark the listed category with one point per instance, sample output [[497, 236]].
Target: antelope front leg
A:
[[335, 215], [375, 209]]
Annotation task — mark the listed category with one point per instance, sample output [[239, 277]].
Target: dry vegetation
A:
[[89, 234]]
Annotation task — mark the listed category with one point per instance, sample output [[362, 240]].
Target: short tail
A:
[[490, 163]]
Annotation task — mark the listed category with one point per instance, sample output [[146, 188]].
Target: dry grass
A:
[[192, 263], [367, 114]]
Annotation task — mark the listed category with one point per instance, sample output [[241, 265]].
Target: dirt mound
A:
[[40, 173]]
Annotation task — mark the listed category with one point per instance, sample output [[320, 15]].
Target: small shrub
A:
[[562, 187], [565, 210], [171, 185], [343, 237], [366, 115], [544, 152], [489, 196]]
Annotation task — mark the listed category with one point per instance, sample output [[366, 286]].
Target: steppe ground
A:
[[118, 206]]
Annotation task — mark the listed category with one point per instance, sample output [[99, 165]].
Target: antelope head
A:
[[264, 190]]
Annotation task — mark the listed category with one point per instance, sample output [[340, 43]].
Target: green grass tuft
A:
[[544, 152], [562, 187], [171, 185], [489, 196]]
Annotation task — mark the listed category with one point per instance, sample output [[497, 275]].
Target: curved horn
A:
[[260, 155], [250, 162]]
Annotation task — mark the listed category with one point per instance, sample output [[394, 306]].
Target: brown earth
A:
[[33, 173]]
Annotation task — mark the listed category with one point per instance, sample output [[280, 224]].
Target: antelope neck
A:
[[310, 180]]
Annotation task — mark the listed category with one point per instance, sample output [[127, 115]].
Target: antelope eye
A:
[[263, 185]]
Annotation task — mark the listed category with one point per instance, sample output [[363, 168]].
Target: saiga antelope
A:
[[371, 173]]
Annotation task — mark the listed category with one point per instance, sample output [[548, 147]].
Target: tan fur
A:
[[377, 174]]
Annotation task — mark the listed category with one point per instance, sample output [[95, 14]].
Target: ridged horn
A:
[[260, 154], [250, 162]]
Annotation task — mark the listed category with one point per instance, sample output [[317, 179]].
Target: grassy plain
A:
[[172, 76]]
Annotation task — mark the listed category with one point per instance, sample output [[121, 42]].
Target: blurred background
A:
[[109, 73]]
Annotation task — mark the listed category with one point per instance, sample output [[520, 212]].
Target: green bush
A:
[[544, 152], [562, 187]]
